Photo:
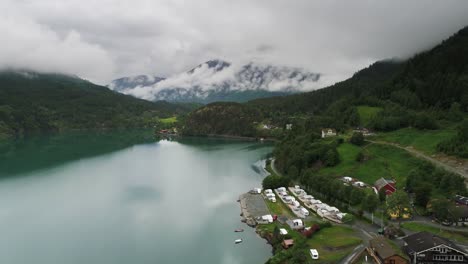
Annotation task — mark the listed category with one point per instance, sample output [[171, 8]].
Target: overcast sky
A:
[[104, 39]]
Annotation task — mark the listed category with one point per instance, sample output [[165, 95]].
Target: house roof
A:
[[424, 240], [380, 183], [288, 242], [326, 130], [382, 247]]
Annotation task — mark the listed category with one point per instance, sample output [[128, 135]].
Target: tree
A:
[[293, 172], [424, 121], [357, 139], [370, 203], [274, 181], [348, 219], [382, 195], [361, 156], [398, 204], [422, 193], [332, 157], [356, 196], [440, 210]]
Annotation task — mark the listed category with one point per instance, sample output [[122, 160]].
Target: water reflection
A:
[[40, 152], [165, 202]]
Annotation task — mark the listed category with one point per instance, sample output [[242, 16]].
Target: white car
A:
[[314, 253]]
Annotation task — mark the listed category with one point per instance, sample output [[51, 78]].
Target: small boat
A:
[[237, 241], [239, 230]]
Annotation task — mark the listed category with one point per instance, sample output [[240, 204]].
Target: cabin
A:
[[287, 243], [328, 132], [384, 253], [288, 126], [388, 185], [426, 248], [364, 131]]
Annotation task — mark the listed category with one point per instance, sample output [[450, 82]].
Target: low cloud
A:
[[108, 39]]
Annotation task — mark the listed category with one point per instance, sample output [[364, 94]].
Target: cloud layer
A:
[[104, 40]]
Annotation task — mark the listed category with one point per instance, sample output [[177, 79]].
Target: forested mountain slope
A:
[[32, 102]]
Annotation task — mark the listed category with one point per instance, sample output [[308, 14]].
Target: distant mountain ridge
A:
[[218, 80], [32, 102]]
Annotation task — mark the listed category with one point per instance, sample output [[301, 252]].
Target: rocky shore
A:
[[252, 206]]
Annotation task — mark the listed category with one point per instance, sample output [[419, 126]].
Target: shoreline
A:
[[231, 137]]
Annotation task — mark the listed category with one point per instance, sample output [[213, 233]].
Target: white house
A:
[[288, 126], [328, 132]]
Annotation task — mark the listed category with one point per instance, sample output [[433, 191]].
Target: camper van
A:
[[314, 254], [304, 211]]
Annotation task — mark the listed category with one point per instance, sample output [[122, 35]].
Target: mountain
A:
[[217, 80], [32, 102], [428, 88], [121, 84]]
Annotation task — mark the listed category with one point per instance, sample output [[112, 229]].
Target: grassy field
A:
[[366, 113], [169, 120], [334, 243], [279, 208], [418, 227], [384, 161], [424, 140]]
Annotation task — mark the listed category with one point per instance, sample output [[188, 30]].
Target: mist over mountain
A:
[[218, 80]]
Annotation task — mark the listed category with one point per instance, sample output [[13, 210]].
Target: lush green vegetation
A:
[[424, 140], [458, 144], [31, 102], [380, 161], [419, 227], [332, 242], [367, 113], [427, 92], [169, 120]]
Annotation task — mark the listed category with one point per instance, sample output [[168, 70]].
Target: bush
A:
[[357, 139], [273, 182]]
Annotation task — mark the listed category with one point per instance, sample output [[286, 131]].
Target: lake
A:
[[122, 198]]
